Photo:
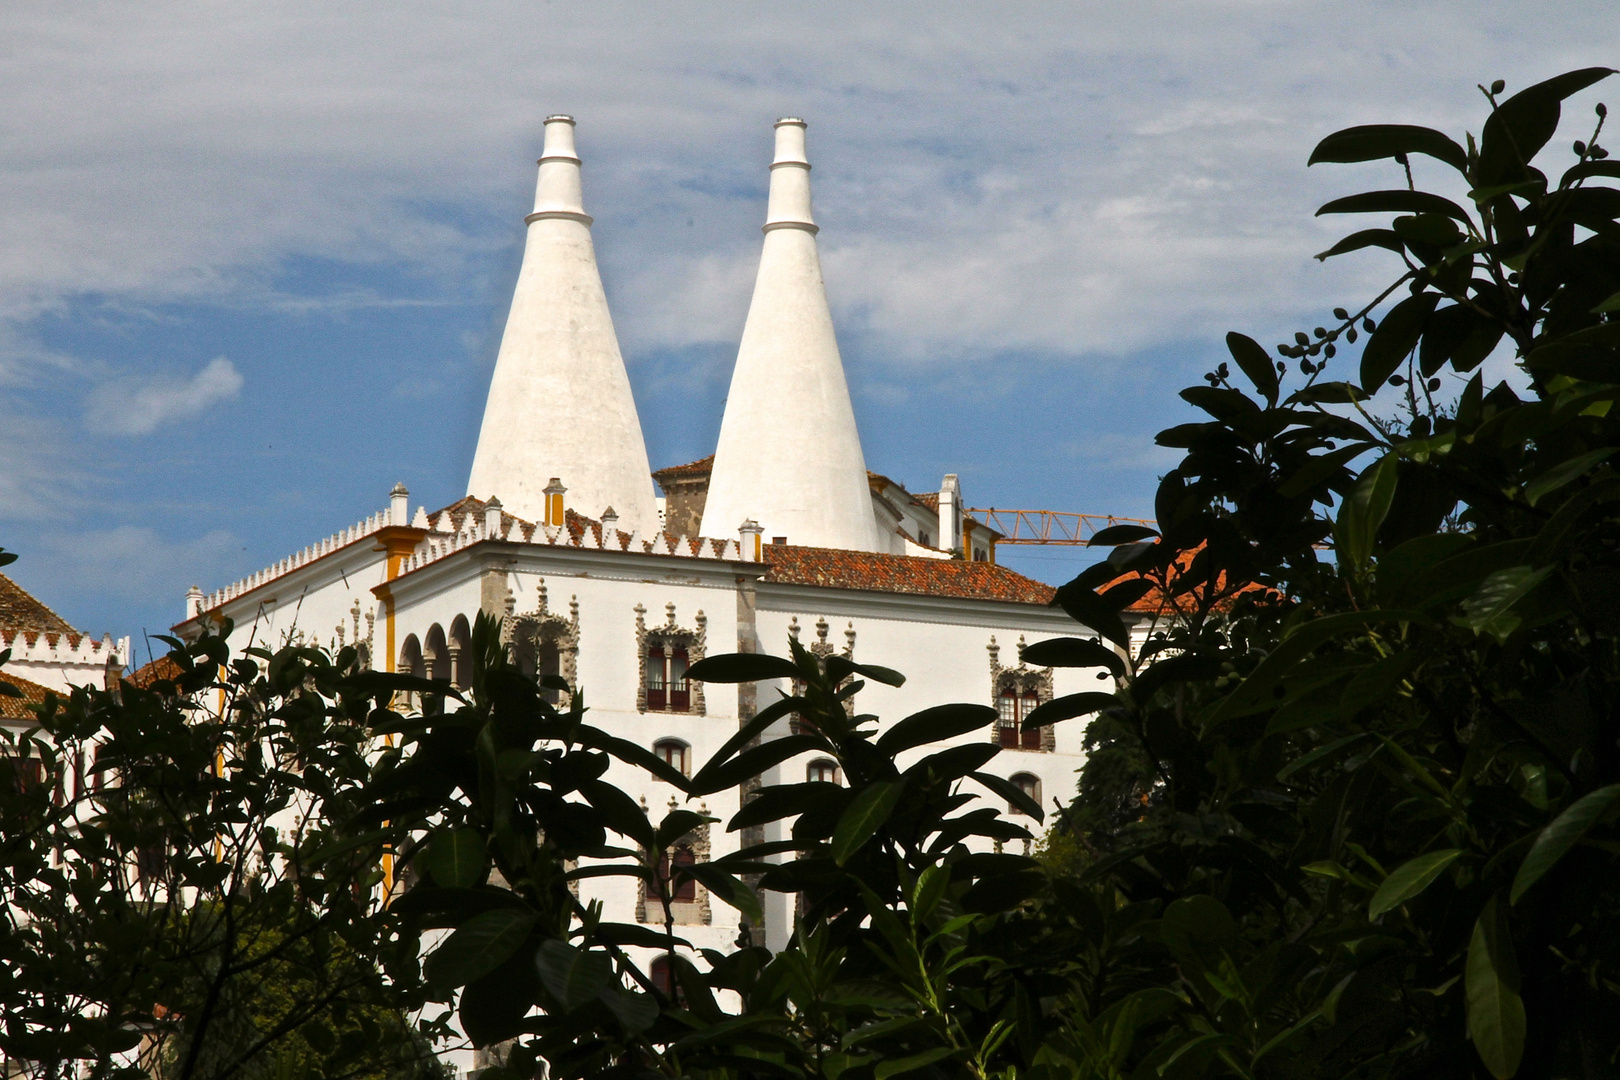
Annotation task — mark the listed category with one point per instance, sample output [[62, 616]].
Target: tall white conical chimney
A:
[[560, 402], [789, 456]]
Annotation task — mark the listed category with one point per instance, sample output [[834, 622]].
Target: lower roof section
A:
[[866, 571]]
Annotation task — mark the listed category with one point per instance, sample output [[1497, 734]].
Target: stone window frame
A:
[[671, 636], [543, 626], [1022, 678], [699, 912]]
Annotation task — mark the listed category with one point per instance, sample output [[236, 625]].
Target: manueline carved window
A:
[[666, 652], [689, 903], [821, 649], [544, 643], [1016, 692]]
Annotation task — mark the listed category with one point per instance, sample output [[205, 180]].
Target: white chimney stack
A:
[[492, 519], [789, 455], [194, 602], [560, 384], [748, 541], [950, 514], [399, 505]]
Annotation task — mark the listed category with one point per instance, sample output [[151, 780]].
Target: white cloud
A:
[[126, 407], [1084, 178]]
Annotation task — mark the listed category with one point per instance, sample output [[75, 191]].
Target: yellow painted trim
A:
[[399, 542]]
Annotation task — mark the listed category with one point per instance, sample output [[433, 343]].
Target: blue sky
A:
[[254, 260]]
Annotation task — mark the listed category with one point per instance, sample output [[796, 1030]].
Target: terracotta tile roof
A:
[[19, 610], [871, 572], [160, 669], [17, 708], [1156, 602], [700, 467]]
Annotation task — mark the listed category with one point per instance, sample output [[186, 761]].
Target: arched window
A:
[[823, 770], [676, 754], [661, 975], [410, 663], [685, 889], [460, 653], [1030, 785], [410, 657], [436, 662]]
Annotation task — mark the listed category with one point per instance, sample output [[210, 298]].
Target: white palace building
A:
[[783, 533]]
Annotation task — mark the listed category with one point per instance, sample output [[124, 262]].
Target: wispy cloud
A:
[[128, 407], [81, 570]]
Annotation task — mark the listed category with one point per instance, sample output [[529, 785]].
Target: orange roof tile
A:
[[1155, 602], [160, 669], [871, 572], [700, 467], [17, 708]]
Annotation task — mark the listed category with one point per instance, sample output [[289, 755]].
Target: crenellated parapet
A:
[[281, 567], [63, 660]]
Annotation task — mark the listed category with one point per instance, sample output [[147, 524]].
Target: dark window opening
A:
[[548, 662], [656, 698], [685, 889], [26, 773], [663, 977], [1030, 785]]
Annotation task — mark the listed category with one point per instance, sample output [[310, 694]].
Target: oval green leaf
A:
[[1068, 706], [1409, 879], [741, 667], [1074, 652], [1496, 1020], [573, 976], [479, 946], [727, 888], [456, 858], [933, 725], [863, 817], [1558, 838], [1255, 362]]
